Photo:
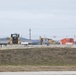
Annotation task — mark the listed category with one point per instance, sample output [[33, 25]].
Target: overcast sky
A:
[[46, 18]]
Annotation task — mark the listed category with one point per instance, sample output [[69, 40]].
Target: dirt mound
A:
[[39, 56]]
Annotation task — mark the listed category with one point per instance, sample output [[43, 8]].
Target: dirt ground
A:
[[36, 68], [38, 59]]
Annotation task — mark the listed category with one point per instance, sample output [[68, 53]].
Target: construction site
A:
[[15, 39], [37, 35], [45, 54]]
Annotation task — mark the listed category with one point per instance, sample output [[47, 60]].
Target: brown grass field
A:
[[38, 59]]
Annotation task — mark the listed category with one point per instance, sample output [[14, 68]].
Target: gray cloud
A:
[[38, 15]]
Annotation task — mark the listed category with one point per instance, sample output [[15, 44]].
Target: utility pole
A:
[[30, 33]]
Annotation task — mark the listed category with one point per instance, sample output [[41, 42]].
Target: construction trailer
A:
[[65, 41], [15, 39]]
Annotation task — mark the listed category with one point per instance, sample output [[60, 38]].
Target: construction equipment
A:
[[15, 39], [41, 40], [46, 41], [65, 41]]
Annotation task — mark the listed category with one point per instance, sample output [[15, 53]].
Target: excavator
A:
[[47, 40]]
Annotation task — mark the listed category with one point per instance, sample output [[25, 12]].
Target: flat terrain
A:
[[10, 68], [38, 59], [40, 73]]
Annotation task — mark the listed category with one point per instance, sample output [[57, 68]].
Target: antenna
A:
[[30, 33]]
